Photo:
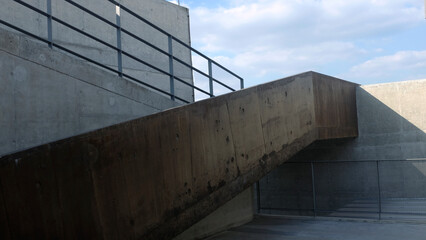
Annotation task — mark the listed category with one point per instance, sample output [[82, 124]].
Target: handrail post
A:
[[210, 77], [241, 83], [119, 51], [314, 200], [172, 78], [49, 23], [379, 190]]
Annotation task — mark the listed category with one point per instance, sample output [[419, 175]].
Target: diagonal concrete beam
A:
[[153, 177]]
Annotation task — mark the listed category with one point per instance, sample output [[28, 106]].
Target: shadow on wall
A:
[[381, 174]]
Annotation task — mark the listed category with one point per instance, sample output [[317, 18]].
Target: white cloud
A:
[[403, 65], [258, 38], [292, 23]]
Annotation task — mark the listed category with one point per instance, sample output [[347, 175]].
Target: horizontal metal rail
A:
[[87, 59], [128, 54], [175, 39], [157, 48], [125, 53]]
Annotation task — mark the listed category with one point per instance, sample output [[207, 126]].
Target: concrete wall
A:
[[46, 95], [330, 105], [392, 130], [156, 176], [236, 212], [170, 17]]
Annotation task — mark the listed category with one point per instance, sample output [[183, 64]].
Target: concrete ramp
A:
[[153, 177]]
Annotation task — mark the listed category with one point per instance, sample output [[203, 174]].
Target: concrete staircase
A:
[[153, 177]]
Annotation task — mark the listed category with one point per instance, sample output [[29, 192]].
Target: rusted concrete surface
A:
[[153, 177]]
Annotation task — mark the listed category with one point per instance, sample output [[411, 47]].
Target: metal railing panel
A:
[[380, 193], [118, 47]]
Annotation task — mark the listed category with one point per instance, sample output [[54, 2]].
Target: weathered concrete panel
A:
[[244, 117], [4, 224], [47, 95], [279, 98], [211, 146], [333, 103], [155, 176]]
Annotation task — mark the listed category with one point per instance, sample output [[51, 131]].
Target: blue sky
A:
[[363, 41]]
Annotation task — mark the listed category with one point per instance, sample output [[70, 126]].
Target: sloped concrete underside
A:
[[153, 177]]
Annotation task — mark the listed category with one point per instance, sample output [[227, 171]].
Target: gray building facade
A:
[[47, 94]]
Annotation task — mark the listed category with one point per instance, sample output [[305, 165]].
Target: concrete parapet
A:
[[170, 17], [46, 95]]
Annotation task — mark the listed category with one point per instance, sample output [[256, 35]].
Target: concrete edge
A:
[[390, 83]]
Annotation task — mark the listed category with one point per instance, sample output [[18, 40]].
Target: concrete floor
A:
[[274, 228]]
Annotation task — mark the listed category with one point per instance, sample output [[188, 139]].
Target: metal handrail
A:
[[177, 40], [378, 199], [120, 52]]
